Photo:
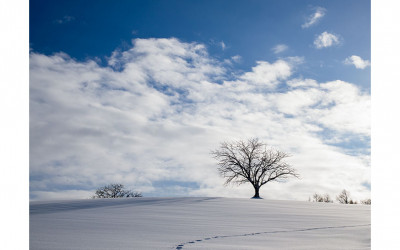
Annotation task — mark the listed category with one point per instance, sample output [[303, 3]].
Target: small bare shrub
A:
[[115, 191], [321, 198], [366, 202], [344, 198]]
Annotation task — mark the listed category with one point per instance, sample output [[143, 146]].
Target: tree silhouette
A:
[[115, 191], [321, 198], [252, 162], [344, 198]]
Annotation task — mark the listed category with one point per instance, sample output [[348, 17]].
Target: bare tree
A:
[[366, 202], [321, 198], [115, 191], [327, 198], [251, 161], [317, 198], [344, 198]]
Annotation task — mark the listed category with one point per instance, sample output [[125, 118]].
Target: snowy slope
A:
[[197, 223]]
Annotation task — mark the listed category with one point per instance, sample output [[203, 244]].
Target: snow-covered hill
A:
[[197, 223]]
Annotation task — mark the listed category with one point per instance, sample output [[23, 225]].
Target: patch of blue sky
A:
[[51, 187], [352, 144], [37, 181], [107, 87], [367, 185]]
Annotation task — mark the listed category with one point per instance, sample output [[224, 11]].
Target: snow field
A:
[[197, 223]]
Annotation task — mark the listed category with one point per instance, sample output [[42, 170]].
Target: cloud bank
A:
[[151, 117]]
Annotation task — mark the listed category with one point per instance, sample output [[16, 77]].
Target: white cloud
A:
[[335, 105], [302, 83], [223, 46], [233, 59], [296, 102], [279, 48], [65, 19], [236, 58], [157, 110], [325, 40], [268, 74], [348, 112], [357, 61], [315, 17]]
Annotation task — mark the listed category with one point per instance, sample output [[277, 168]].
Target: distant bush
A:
[[327, 198], [316, 198], [115, 191], [344, 198], [366, 202], [321, 198]]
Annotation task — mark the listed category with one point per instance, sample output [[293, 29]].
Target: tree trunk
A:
[[257, 193]]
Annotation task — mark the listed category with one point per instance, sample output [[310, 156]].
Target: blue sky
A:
[[247, 28], [140, 92]]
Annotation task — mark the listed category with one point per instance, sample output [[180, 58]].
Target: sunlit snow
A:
[[197, 223]]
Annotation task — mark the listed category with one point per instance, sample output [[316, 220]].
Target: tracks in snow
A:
[[182, 245]]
